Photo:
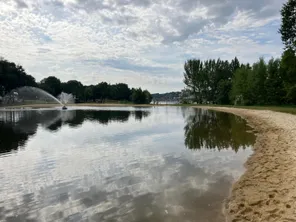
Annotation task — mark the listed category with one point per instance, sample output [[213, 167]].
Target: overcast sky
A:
[[140, 42]]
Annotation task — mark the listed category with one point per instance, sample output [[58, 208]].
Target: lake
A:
[[119, 164]]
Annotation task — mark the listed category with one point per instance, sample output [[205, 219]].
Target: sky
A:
[[143, 43]]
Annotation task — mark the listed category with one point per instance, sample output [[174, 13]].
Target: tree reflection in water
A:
[[17, 126], [217, 130]]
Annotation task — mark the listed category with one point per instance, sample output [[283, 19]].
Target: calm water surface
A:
[[119, 164]]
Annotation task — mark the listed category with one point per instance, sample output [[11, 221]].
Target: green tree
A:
[[240, 91], [148, 97], [51, 85], [288, 63], [223, 91], [139, 96], [89, 93], [288, 68], [274, 83], [75, 88], [102, 91], [222, 85], [194, 78], [288, 26], [120, 91], [257, 84], [210, 81], [234, 65], [13, 76]]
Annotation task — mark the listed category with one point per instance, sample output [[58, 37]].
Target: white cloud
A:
[[144, 42]]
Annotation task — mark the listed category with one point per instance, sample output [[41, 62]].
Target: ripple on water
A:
[[119, 164]]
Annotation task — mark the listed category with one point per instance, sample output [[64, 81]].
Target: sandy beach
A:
[[267, 190]]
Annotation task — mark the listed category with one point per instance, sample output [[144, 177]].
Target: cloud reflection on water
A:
[[79, 171]]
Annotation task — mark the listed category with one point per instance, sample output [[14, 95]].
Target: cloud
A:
[[142, 42], [21, 4], [56, 3], [140, 3], [124, 64]]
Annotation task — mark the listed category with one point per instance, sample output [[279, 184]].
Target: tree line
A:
[[270, 82], [14, 76], [170, 96]]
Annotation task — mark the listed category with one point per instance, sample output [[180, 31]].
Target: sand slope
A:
[[267, 190]]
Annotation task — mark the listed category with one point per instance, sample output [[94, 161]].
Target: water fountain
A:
[[28, 95], [66, 98]]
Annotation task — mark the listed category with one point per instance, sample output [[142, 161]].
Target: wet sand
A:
[[267, 190]]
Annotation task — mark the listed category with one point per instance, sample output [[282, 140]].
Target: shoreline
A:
[[267, 189]]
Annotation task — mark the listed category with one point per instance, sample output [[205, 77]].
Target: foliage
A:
[[209, 81], [271, 83], [288, 27], [141, 97], [263, 84], [74, 87], [239, 91], [120, 91], [274, 83], [13, 76], [51, 85], [186, 96], [221, 82]]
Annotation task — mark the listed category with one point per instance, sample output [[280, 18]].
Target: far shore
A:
[[267, 190]]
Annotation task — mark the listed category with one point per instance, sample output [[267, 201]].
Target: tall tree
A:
[[235, 64], [74, 87], [13, 76], [288, 67], [288, 26], [209, 81], [148, 97], [274, 83], [139, 96], [89, 93], [240, 91], [194, 78], [258, 82], [102, 91], [120, 91], [52, 85], [288, 64], [223, 91]]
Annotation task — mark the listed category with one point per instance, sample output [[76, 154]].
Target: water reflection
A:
[[16, 127], [117, 165], [187, 193], [211, 130]]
